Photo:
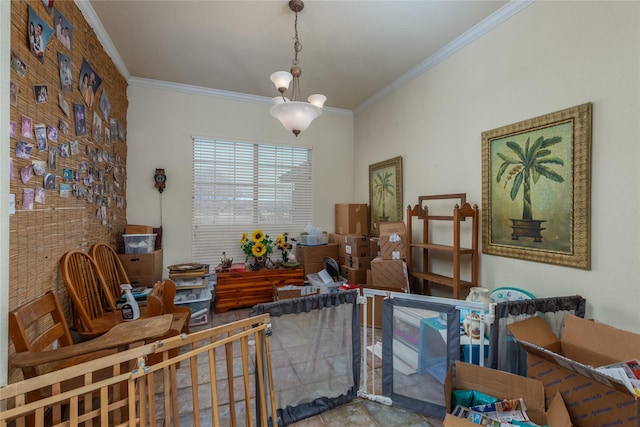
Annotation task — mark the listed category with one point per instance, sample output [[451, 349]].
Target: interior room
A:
[[418, 89]]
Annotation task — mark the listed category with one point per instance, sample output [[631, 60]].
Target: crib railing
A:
[[220, 376]]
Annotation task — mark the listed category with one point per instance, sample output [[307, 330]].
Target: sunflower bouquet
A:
[[282, 243], [258, 245]]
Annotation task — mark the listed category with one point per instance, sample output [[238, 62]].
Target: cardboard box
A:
[[565, 366], [139, 229], [357, 245], [504, 385], [374, 247], [393, 240], [142, 269], [359, 263], [352, 219], [389, 273], [312, 257], [354, 276]]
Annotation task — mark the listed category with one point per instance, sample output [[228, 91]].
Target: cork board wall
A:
[[68, 178]]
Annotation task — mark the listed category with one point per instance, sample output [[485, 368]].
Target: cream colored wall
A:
[[161, 123], [550, 56]]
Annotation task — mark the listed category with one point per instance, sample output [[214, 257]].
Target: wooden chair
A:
[[94, 307], [161, 301], [110, 267]]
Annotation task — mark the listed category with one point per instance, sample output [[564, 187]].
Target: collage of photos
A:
[[71, 155]]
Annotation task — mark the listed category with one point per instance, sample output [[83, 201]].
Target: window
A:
[[242, 186]]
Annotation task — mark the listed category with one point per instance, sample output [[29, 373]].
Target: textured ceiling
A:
[[351, 50]]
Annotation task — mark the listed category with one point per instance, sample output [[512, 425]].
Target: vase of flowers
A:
[[257, 245], [282, 243]]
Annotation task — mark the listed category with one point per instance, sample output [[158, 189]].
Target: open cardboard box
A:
[[504, 385], [566, 366]]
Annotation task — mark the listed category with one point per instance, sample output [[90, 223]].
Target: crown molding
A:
[[478, 30], [94, 22]]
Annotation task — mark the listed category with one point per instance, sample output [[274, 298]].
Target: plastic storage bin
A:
[[314, 239], [325, 288], [198, 301], [139, 243]]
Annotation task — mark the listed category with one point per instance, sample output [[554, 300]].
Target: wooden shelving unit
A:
[[461, 211]]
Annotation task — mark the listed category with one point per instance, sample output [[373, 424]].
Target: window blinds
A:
[[243, 186]]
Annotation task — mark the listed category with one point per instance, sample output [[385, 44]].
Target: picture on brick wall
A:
[[23, 150], [48, 4], [41, 195], [39, 167], [89, 83], [81, 124], [18, 65], [64, 150], [13, 93], [107, 136], [121, 131], [52, 133], [64, 30], [96, 128], [63, 126], [50, 181], [73, 147], [27, 127], [41, 94], [27, 199], [114, 130], [39, 33], [13, 126], [64, 106], [26, 173], [105, 105], [41, 136], [53, 158], [64, 66]]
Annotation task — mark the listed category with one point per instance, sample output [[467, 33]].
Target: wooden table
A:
[[120, 335], [248, 288]]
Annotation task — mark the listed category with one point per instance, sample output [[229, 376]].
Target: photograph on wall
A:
[[26, 173], [41, 136], [27, 199], [64, 150], [52, 133], [48, 4], [536, 176], [50, 181], [41, 195], [13, 125], [41, 94], [11, 172], [114, 130], [105, 105], [53, 157], [73, 147], [121, 131], [39, 167], [23, 150], [64, 190], [107, 136], [13, 93], [81, 124], [39, 33], [27, 127], [64, 67], [18, 65], [96, 127], [64, 30], [64, 106], [89, 83], [67, 175], [63, 126]]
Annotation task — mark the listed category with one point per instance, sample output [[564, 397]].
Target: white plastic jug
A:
[[130, 309], [480, 295]]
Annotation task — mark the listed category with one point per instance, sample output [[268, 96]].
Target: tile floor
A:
[[360, 412]]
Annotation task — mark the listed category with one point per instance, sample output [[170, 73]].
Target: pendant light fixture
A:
[[294, 114]]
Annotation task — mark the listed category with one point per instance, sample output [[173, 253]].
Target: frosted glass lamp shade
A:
[[295, 116], [317, 99], [279, 100], [281, 80]]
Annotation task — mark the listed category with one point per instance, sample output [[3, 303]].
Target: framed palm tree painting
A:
[[536, 188], [385, 193]]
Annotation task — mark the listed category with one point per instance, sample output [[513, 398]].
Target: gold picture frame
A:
[[536, 189], [385, 193]]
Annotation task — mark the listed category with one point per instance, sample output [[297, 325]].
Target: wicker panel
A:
[[39, 237]]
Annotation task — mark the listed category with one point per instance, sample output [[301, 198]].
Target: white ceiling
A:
[[351, 50]]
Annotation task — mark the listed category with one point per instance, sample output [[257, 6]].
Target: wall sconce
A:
[[160, 179]]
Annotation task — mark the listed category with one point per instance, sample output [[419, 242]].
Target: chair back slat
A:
[[110, 267]]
